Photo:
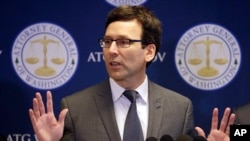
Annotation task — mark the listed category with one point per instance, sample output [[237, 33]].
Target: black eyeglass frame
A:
[[102, 42]]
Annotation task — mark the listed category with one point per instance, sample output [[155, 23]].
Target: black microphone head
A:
[[151, 139], [166, 138], [199, 138], [184, 138]]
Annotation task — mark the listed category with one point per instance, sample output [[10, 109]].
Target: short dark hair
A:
[[151, 25]]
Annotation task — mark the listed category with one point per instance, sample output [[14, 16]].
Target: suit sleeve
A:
[[68, 131], [189, 120], [242, 114]]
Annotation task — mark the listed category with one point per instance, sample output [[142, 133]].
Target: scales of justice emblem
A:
[[45, 56], [207, 56], [195, 58], [45, 70]]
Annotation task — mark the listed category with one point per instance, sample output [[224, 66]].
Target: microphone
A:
[[151, 139], [184, 137], [166, 138], [199, 138]]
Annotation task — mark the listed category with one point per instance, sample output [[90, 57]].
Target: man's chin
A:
[[117, 77]]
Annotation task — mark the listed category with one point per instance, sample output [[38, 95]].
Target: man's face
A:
[[126, 63]]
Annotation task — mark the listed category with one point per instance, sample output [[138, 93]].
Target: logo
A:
[[207, 56], [22, 137], [240, 132], [97, 57], [125, 2], [44, 56]]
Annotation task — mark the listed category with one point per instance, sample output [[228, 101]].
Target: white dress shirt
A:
[[122, 104]]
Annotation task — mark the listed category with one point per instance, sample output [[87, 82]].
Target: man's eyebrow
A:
[[117, 37]]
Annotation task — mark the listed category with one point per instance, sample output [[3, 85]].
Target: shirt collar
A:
[[117, 90]]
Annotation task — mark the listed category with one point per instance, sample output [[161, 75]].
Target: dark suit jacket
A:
[[242, 114], [91, 114]]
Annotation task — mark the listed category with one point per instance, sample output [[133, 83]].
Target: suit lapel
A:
[[105, 107], [155, 111]]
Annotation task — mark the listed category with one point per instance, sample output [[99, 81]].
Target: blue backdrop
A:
[[83, 23]]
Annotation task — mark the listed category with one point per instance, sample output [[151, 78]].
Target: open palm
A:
[[219, 132], [45, 125]]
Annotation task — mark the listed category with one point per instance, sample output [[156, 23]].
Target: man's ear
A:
[[150, 52]]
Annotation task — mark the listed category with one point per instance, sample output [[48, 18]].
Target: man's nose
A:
[[113, 47]]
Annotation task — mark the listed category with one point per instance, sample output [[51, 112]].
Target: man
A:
[[132, 38], [242, 114]]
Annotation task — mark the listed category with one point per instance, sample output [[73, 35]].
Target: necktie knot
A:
[[131, 95]]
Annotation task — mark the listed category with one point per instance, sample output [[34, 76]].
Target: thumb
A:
[[200, 132], [62, 116]]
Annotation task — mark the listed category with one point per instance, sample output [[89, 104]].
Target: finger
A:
[[35, 108], [32, 118], [214, 124], [62, 116], [40, 103], [50, 103], [230, 122], [224, 121], [200, 132], [232, 119]]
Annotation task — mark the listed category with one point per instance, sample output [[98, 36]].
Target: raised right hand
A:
[[45, 125]]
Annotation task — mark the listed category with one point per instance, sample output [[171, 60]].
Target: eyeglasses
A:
[[121, 43]]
